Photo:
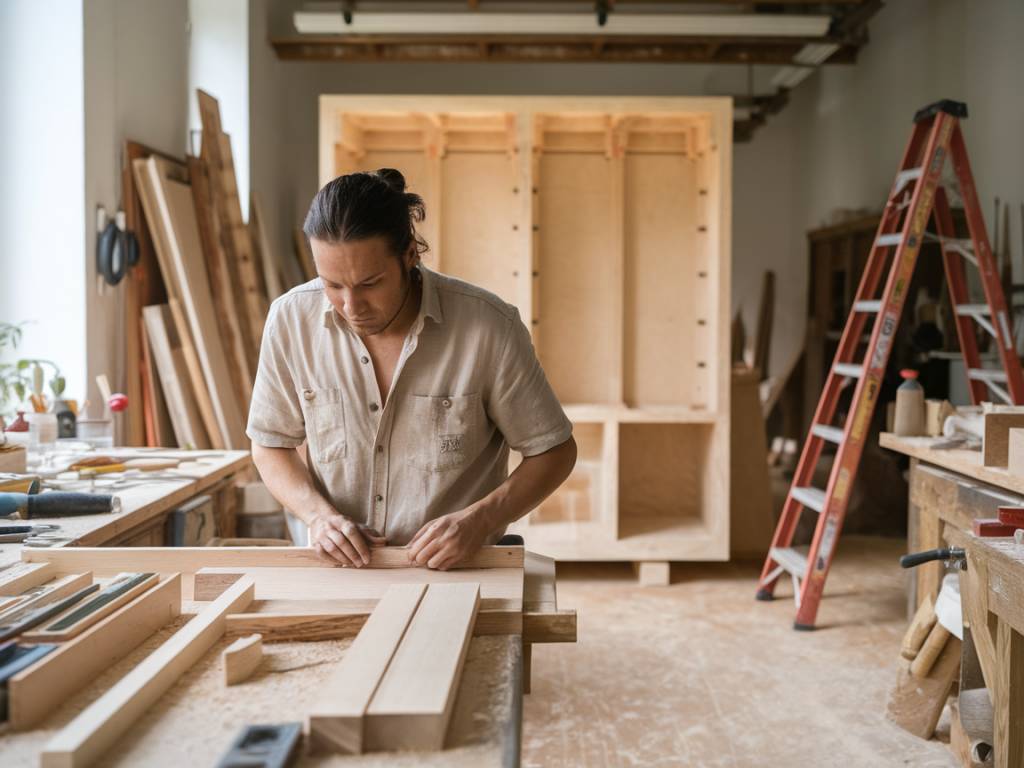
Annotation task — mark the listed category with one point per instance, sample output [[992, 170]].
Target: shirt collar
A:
[[430, 301]]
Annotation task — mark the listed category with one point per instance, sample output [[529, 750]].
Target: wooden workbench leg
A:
[[225, 506], [929, 536], [653, 574], [1008, 698], [527, 665]]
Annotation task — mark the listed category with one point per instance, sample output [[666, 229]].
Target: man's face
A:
[[363, 280]]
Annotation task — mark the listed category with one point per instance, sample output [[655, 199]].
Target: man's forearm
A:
[[536, 478], [287, 479]]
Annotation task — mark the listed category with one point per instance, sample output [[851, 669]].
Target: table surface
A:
[[153, 495], [966, 462]]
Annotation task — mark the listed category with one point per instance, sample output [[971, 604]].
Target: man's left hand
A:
[[448, 540]]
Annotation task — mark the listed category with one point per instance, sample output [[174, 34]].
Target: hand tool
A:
[[263, 746], [56, 504], [44, 612], [13, 659], [12, 533]]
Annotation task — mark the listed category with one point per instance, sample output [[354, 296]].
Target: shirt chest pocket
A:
[[449, 426], [324, 412]]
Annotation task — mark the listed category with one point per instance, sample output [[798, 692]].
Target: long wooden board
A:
[[17, 578], [178, 217], [60, 587], [336, 720], [88, 736], [221, 282], [98, 610], [35, 692], [216, 151], [413, 702], [168, 269], [169, 356], [105, 560]]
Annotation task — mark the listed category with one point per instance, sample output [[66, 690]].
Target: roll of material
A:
[[56, 504]]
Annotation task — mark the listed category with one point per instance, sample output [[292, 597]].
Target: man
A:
[[408, 388]]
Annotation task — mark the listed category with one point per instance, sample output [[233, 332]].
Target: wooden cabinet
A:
[[606, 221]]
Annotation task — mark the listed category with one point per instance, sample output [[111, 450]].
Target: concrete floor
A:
[[700, 674]]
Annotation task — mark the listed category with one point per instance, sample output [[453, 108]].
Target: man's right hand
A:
[[341, 541]]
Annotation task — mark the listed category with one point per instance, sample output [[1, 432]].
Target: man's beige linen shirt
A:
[[467, 386]]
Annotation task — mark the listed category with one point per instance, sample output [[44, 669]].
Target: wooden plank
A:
[[915, 704], [216, 151], [35, 692], [336, 722], [413, 703], [996, 440], [539, 588], [557, 627], [49, 634], [222, 284], [1008, 698], [84, 740], [156, 418], [191, 559], [177, 213], [241, 658], [316, 627], [501, 588], [267, 255], [164, 251], [169, 356], [17, 578]]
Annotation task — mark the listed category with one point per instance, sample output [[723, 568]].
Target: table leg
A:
[[1008, 698]]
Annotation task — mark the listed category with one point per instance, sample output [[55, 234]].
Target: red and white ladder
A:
[[916, 196]]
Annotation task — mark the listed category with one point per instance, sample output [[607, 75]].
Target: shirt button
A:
[[374, 407], [309, 394], [364, 359], [446, 403], [380, 449], [379, 497]]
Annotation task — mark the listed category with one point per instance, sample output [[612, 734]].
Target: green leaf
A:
[[57, 385], [23, 364]]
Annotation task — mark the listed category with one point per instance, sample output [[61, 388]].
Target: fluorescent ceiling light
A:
[[814, 54], [791, 77], [661, 25]]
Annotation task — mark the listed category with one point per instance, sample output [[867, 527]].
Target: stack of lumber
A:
[[196, 317]]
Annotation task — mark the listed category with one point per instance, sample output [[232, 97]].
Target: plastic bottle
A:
[[909, 417]]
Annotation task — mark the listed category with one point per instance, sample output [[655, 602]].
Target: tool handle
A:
[[920, 558], [58, 504]]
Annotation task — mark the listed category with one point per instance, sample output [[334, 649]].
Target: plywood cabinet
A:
[[606, 221]]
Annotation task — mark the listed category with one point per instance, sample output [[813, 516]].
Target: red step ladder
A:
[[916, 195]]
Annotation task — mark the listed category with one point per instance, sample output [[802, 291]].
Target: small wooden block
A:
[[241, 658], [916, 704], [919, 629], [1012, 515], [654, 574], [1015, 453], [991, 527], [995, 444]]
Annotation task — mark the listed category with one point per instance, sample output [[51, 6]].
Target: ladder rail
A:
[[956, 282], [990, 279], [828, 402], [847, 460]]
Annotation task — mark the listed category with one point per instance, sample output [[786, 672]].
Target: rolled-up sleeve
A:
[[521, 403], [275, 414]]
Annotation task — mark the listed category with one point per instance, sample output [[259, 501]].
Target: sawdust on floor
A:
[[700, 674]]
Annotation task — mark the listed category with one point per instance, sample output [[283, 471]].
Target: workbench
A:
[[306, 633], [146, 505], [949, 488]]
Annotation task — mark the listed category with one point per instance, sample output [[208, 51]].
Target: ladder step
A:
[[873, 305], [809, 497], [790, 559], [986, 374], [849, 370], [973, 309], [905, 177], [825, 432], [887, 240]]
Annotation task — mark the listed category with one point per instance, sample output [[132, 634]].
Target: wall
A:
[[42, 270], [135, 84]]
